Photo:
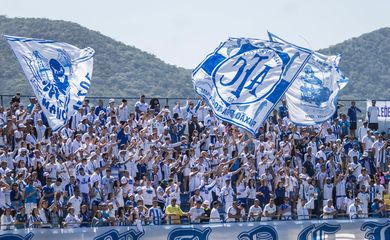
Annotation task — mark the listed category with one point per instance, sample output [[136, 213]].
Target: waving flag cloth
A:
[[59, 73], [312, 98], [243, 79]]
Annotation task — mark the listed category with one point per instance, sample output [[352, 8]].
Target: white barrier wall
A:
[[376, 229]]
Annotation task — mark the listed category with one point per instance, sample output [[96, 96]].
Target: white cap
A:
[[124, 180], [111, 100]]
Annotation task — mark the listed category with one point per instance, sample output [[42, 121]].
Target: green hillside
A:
[[366, 61], [122, 70], [119, 70]]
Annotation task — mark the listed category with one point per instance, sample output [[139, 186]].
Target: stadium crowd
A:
[[118, 165]]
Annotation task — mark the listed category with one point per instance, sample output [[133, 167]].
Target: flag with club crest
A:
[[59, 74], [243, 79], [312, 98]]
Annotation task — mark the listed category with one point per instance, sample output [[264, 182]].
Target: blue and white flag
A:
[[59, 74], [243, 79], [312, 98]]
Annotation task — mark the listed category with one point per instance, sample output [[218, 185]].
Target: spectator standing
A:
[[352, 115], [372, 114]]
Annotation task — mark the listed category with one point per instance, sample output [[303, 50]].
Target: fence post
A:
[[1, 100]]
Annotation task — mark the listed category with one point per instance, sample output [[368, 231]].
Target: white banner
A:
[[312, 98], [373, 229], [59, 73], [243, 79]]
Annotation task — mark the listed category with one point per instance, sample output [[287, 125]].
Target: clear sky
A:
[[183, 32]]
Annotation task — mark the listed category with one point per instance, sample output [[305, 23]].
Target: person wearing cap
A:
[[329, 212], [111, 109], [102, 118], [255, 211], [82, 127], [355, 209], [207, 212]]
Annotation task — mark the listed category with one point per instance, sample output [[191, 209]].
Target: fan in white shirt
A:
[[269, 211], [355, 209], [255, 211], [329, 211], [123, 111], [40, 130]]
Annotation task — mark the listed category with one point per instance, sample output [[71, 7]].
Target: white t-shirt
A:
[[195, 213], [327, 209], [353, 210], [83, 182], [143, 107], [270, 210], [148, 193], [255, 210], [214, 216], [76, 202], [373, 112]]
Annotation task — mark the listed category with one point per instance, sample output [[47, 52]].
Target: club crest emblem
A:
[[241, 75]]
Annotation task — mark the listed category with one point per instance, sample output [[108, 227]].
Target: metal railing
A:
[[5, 99], [185, 220]]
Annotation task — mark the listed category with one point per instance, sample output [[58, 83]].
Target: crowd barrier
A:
[[373, 229]]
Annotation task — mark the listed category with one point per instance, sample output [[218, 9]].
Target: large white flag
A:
[[312, 98], [59, 73], [243, 79]]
